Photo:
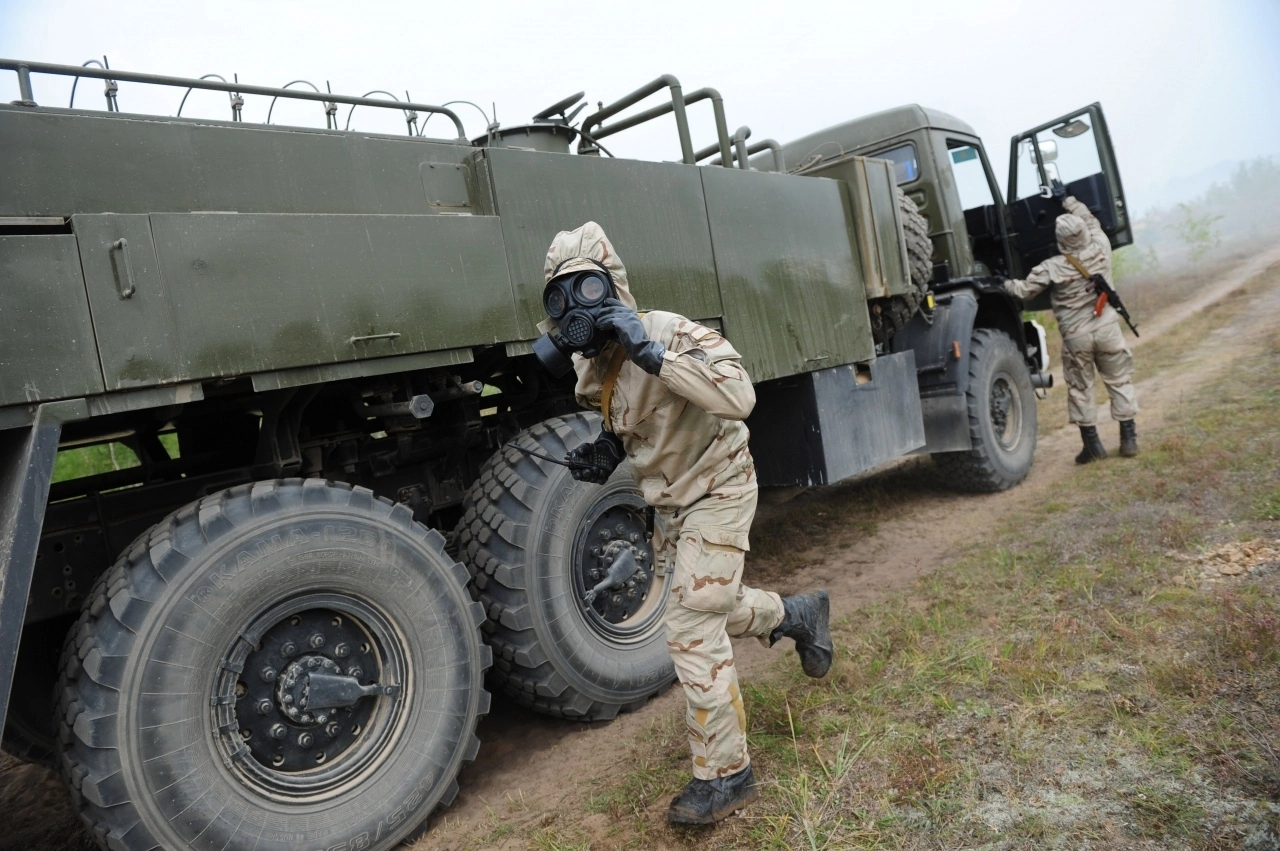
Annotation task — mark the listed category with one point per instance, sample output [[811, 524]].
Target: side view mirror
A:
[[1048, 149]]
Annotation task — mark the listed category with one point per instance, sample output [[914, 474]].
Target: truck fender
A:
[[27, 455], [941, 343]]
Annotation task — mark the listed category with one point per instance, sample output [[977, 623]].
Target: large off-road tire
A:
[[189, 704], [1002, 418], [889, 315], [528, 537]]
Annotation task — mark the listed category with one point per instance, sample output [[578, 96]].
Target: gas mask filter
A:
[[573, 302]]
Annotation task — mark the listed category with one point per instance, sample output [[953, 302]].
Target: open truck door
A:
[[1076, 150]]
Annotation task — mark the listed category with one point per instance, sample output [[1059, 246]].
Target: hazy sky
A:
[[1186, 85]]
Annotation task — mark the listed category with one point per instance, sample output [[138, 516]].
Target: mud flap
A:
[[27, 455], [825, 426]]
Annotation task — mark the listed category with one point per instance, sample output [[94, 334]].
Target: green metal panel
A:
[[653, 212], [791, 283], [46, 338], [137, 340], [253, 293], [882, 249], [60, 162]]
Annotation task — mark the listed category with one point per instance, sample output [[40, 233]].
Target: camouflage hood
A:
[[587, 242], [1072, 234]]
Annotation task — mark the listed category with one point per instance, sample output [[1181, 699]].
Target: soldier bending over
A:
[[673, 395], [1088, 341]]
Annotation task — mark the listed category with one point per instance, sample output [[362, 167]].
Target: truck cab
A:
[[940, 162]]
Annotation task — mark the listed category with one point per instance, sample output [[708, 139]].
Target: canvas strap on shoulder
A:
[[1071, 258], [611, 381]]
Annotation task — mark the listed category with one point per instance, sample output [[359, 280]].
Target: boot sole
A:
[[823, 639]]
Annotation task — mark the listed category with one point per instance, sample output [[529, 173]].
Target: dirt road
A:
[[530, 766]]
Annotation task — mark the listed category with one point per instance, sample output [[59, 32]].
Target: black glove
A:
[[595, 462], [625, 324], [1057, 189]]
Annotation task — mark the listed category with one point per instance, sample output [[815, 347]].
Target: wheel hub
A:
[[307, 691], [616, 573]]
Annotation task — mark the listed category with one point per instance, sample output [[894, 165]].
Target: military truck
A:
[[268, 622]]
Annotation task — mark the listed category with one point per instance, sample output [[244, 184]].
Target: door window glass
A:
[[903, 157], [1069, 151], [971, 177], [1074, 150]]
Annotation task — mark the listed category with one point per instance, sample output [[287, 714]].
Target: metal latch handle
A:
[[130, 287]]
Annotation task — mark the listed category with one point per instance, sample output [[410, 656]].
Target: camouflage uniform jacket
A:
[[1073, 297], [682, 429]]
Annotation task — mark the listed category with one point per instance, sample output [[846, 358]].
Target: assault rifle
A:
[[1106, 294]]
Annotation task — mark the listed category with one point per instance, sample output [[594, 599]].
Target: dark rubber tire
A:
[[140, 742], [1000, 457], [516, 537], [889, 315]]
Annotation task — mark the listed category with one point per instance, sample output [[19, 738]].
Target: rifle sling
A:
[[611, 381], [1071, 258]]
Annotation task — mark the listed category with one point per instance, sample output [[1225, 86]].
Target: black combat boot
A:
[[1128, 439], [1093, 448], [709, 801], [806, 619]]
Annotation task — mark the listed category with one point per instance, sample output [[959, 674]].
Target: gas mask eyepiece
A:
[[573, 302]]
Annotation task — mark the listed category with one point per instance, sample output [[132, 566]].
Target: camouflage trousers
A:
[[709, 605], [1098, 345]]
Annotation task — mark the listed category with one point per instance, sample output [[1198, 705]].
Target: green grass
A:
[[103, 458]]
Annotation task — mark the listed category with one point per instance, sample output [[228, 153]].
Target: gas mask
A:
[[573, 302]]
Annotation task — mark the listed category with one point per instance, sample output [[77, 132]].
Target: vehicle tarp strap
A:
[[610, 381]]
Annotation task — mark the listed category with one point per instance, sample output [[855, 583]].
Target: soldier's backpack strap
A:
[[1085, 273], [610, 381]]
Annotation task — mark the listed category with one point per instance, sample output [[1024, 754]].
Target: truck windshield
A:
[[903, 157]]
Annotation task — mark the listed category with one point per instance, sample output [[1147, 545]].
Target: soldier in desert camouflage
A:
[[1090, 339], [676, 397]]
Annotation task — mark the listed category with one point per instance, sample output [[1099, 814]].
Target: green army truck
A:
[[270, 620]]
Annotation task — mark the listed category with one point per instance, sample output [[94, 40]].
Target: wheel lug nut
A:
[[342, 651], [595, 551], [264, 707], [334, 728], [288, 648], [633, 537], [278, 731], [355, 671], [313, 662], [316, 641], [620, 530], [321, 718], [305, 740], [268, 675], [604, 534]]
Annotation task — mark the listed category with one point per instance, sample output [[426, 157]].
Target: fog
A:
[[1189, 88]]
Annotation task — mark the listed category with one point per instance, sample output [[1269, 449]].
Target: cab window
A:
[[1069, 152], [903, 157], [971, 178]]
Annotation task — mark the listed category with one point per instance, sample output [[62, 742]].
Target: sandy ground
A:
[[530, 766]]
